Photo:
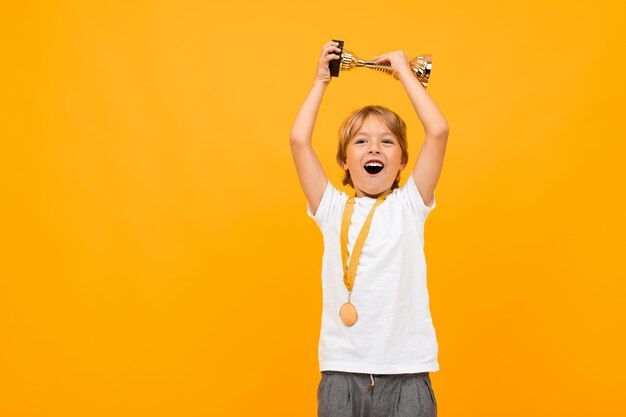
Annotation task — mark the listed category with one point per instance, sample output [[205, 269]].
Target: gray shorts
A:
[[348, 394]]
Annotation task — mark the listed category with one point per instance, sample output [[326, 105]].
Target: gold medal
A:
[[348, 315], [347, 312]]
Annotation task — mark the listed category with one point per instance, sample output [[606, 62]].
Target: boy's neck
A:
[[359, 193]]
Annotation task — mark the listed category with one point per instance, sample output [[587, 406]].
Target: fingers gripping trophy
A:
[[420, 65]]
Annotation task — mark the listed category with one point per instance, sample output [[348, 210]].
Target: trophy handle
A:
[[420, 65]]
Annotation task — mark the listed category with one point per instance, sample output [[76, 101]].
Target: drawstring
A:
[[372, 384]]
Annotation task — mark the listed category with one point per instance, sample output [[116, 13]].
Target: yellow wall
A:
[[157, 259]]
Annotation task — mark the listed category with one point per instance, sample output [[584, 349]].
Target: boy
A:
[[373, 243]]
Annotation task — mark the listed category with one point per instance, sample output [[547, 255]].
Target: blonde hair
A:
[[353, 123]]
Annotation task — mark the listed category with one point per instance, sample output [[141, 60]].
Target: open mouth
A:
[[374, 167]]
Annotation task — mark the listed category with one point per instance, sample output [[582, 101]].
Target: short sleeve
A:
[[412, 195], [331, 203]]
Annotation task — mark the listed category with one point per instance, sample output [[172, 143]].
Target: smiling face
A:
[[373, 158]]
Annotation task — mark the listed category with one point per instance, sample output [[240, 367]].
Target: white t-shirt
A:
[[394, 332]]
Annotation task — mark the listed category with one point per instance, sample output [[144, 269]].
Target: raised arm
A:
[[310, 172], [430, 159]]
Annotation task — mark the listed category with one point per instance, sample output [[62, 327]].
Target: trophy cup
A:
[[420, 65]]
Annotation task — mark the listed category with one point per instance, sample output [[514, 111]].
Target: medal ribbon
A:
[[349, 272]]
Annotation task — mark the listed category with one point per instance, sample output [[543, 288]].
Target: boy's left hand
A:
[[398, 60]]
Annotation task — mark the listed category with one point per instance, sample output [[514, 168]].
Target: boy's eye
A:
[[359, 141], [387, 141]]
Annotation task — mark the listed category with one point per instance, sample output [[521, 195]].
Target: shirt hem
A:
[[380, 369]]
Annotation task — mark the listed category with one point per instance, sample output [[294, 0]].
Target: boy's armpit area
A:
[[331, 201], [417, 202]]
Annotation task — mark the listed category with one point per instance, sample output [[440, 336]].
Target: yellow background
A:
[[157, 259]]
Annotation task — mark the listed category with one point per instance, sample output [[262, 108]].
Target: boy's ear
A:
[[344, 165]]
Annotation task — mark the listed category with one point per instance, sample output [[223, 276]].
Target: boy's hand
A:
[[398, 60], [329, 52]]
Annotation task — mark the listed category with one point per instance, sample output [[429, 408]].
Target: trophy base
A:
[[335, 64]]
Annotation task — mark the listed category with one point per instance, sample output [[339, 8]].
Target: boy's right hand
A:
[[330, 51]]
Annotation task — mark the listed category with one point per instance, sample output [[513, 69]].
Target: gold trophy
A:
[[420, 65]]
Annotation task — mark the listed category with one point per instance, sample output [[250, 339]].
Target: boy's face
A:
[[373, 157]]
